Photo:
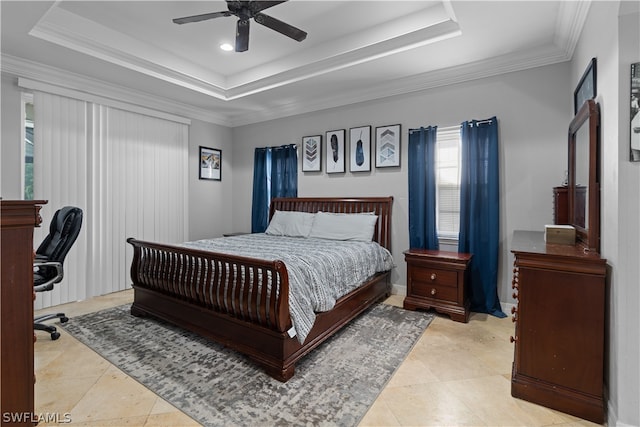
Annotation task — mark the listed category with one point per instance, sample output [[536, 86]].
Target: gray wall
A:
[[612, 35], [209, 207], [533, 110], [10, 148]]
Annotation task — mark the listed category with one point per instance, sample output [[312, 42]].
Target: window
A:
[[448, 182], [27, 172]]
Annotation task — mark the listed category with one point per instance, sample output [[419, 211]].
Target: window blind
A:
[[129, 174], [448, 181]]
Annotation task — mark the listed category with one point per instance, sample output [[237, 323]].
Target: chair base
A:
[[39, 326]]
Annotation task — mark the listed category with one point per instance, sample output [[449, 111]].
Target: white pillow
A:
[[338, 226], [290, 223]]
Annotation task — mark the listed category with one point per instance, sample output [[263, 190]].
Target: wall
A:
[[614, 39], [10, 148], [532, 107], [209, 211]]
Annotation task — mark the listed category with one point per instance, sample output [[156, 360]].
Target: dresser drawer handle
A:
[[512, 339], [433, 276], [433, 291]]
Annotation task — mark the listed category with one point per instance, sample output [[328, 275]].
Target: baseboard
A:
[[398, 289]]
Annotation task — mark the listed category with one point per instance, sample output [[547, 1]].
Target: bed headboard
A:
[[381, 206]]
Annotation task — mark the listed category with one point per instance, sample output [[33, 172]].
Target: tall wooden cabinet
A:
[[560, 320], [16, 299]]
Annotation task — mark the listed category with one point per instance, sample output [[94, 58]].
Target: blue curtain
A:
[[284, 171], [260, 202], [480, 212], [422, 189], [275, 174]]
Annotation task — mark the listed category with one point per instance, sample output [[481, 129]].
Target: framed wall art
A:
[[335, 151], [360, 149], [388, 146], [587, 88], [210, 164], [635, 112], [312, 153]]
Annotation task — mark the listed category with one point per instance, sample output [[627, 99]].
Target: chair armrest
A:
[[48, 285]]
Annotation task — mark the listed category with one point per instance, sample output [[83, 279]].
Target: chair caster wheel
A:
[[55, 336], [64, 319]]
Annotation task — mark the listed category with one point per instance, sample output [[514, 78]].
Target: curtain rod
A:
[[449, 128], [444, 128]]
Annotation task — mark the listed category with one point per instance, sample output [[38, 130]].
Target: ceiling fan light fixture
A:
[[227, 47], [246, 11]]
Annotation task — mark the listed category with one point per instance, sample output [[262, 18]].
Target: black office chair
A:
[[48, 267]]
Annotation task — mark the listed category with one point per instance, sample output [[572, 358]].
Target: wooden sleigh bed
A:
[[223, 297]]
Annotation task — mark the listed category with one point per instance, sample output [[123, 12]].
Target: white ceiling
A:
[[355, 50]]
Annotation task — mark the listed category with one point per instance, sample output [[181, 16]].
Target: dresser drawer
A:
[[436, 291], [434, 276]]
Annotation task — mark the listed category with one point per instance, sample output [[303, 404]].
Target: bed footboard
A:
[[250, 290]]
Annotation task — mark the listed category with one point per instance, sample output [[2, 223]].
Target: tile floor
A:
[[456, 375]]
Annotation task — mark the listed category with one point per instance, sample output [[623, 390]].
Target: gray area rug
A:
[[333, 385]]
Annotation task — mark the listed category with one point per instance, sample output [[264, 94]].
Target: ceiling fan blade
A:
[[242, 35], [279, 26], [203, 17], [257, 6]]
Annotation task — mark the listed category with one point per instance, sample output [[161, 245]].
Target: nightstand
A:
[[437, 279]]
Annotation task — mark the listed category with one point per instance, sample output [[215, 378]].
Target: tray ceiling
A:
[[355, 51]]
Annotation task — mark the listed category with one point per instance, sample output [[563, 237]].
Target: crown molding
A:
[[431, 34], [571, 18], [77, 33], [444, 77], [21, 67], [83, 35]]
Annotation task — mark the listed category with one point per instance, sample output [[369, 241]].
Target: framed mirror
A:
[[584, 175]]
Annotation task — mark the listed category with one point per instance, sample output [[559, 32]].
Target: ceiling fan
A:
[[245, 11]]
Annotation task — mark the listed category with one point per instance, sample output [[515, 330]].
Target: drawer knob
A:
[[513, 319], [515, 295], [433, 291], [514, 310], [433, 276], [512, 339]]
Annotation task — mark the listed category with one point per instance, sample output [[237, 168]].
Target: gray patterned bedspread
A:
[[320, 271]]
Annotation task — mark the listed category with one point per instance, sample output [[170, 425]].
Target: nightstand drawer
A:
[[434, 276], [432, 290]]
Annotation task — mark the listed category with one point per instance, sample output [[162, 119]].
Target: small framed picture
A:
[[635, 112], [586, 88], [388, 146], [312, 153], [210, 164], [335, 151], [360, 149]]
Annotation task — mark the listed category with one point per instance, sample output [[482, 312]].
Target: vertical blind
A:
[[129, 174]]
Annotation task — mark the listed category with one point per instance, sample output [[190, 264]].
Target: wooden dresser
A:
[[437, 279], [17, 336], [560, 326]]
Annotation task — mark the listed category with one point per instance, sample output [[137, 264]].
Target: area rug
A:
[[333, 385]]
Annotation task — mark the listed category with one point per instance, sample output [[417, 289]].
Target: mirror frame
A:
[[589, 236]]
